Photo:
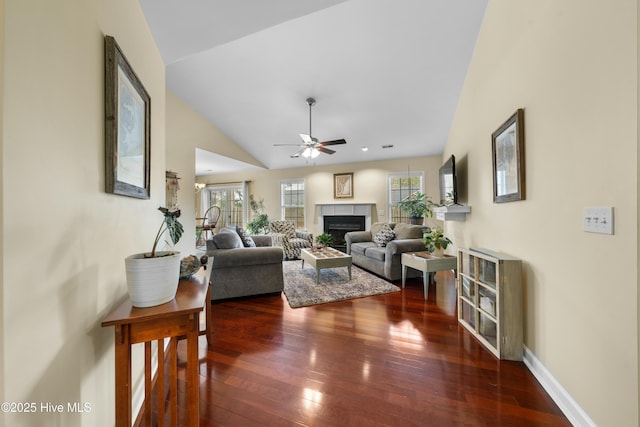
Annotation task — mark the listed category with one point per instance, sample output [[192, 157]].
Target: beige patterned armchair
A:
[[291, 241]]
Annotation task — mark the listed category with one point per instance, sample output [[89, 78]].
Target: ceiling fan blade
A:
[[334, 142], [306, 138], [325, 150], [287, 145], [298, 153]]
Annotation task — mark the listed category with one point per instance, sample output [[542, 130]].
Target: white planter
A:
[[152, 281], [438, 253]]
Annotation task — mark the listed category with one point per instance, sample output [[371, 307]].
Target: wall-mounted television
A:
[[448, 183]]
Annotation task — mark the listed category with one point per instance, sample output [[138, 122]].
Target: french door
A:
[[230, 200]]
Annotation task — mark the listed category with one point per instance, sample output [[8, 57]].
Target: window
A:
[[400, 186], [292, 201]]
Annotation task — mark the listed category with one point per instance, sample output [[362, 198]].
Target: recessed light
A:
[[365, 148]]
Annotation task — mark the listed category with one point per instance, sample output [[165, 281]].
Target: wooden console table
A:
[[427, 263], [179, 318]]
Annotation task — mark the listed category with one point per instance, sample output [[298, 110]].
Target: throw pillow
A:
[[377, 226], [227, 239], [384, 236], [247, 240]]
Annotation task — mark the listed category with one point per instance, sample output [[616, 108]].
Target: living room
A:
[[572, 66]]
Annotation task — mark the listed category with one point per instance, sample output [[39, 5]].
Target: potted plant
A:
[[417, 205], [152, 277], [259, 223], [435, 241], [324, 239]]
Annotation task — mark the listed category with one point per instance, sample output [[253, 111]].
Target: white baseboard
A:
[[560, 396]]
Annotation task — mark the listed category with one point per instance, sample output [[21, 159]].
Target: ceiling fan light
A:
[[314, 153], [306, 152]]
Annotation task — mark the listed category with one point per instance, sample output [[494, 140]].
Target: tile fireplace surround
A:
[[344, 209]]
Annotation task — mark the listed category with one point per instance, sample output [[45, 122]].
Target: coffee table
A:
[[325, 258], [427, 263]]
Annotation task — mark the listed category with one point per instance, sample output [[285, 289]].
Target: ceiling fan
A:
[[310, 146]]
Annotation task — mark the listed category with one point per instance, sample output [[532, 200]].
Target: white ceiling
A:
[[382, 72]]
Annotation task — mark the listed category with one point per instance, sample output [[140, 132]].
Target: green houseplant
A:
[[152, 277], [417, 205], [259, 223], [324, 239], [435, 241], [171, 225]]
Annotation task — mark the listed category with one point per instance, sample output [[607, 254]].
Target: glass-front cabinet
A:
[[490, 300]]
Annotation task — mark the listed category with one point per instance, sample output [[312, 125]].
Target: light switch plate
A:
[[598, 219]]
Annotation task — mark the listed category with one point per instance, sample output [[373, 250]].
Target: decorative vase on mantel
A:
[[152, 281]]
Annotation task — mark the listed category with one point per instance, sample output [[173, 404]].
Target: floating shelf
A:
[[452, 213]]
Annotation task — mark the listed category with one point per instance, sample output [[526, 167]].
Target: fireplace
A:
[[338, 225]]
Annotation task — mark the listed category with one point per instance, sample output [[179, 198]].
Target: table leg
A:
[[173, 379], [317, 276], [349, 268], [147, 383], [193, 383], [160, 383], [404, 275], [208, 318], [123, 376], [425, 283]]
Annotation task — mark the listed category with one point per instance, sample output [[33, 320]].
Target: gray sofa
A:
[[385, 261], [240, 271]]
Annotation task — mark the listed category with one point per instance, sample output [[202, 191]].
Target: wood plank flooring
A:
[[387, 360]]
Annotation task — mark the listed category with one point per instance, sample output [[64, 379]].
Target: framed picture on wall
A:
[[507, 149], [343, 185], [127, 127]]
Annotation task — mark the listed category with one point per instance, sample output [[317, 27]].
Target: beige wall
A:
[[2, 387], [369, 182], [65, 239], [186, 131], [572, 66]]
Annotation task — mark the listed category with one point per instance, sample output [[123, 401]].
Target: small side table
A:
[[427, 263], [176, 319]]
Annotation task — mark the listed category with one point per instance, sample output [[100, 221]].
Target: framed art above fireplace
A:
[[343, 185]]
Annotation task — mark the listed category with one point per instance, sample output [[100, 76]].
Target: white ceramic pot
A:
[[438, 253], [152, 281]]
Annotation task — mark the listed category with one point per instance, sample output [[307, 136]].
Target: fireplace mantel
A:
[[344, 209]]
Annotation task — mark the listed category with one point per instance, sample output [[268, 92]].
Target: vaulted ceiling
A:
[[383, 72]]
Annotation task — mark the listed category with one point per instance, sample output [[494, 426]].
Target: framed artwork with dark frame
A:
[[342, 185], [127, 127], [507, 150]]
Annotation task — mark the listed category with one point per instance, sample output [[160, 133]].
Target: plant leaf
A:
[[174, 227]]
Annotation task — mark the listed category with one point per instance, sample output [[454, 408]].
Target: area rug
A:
[[301, 289]]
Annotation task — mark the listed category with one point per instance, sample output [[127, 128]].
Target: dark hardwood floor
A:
[[388, 360]]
